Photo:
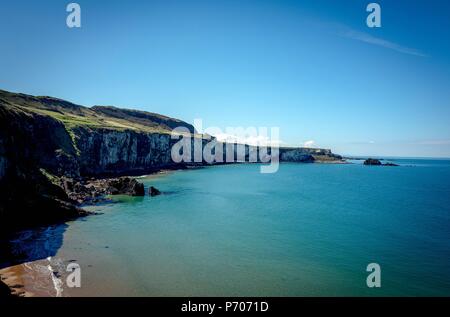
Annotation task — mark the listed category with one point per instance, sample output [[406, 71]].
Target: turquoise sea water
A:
[[310, 229]]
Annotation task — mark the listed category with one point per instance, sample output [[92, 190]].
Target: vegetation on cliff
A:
[[106, 117]]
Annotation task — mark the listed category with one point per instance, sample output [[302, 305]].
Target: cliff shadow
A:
[[31, 245]]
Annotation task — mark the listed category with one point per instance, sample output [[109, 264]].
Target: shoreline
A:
[[29, 279], [38, 278]]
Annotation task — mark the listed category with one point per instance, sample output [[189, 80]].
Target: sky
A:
[[312, 68]]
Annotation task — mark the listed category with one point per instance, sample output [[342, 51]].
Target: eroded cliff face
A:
[[107, 152], [30, 146], [308, 155]]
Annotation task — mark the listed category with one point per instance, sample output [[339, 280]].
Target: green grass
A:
[[74, 141], [75, 116], [72, 121], [53, 179]]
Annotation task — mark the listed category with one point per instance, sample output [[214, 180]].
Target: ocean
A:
[[307, 230]]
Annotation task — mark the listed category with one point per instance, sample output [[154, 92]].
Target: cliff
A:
[[45, 139]]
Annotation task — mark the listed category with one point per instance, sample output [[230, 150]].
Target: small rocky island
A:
[[154, 191], [376, 162]]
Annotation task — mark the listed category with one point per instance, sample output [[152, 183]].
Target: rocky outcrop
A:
[[153, 191], [375, 162], [308, 155], [371, 161], [88, 191], [124, 186]]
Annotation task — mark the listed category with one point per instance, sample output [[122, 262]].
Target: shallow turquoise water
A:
[[310, 229]]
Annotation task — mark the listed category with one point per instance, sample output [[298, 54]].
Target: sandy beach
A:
[[32, 279]]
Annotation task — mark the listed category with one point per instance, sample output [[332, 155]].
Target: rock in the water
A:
[[154, 191], [138, 189], [84, 191], [126, 186], [376, 162], [371, 161]]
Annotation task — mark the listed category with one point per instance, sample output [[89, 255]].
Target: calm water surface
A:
[[310, 229]]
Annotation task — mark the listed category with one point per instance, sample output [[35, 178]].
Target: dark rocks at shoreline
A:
[[390, 164], [376, 162], [154, 191], [95, 190], [125, 186], [4, 290]]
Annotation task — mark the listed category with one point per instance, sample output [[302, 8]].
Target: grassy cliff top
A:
[[106, 117]]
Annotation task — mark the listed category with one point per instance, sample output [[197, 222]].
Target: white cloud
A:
[[367, 38], [309, 143], [347, 32], [248, 139]]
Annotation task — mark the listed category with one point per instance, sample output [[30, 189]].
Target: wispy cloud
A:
[[440, 142], [434, 142], [254, 140], [309, 143], [367, 38]]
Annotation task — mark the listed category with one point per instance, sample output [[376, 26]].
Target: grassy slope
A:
[[74, 115]]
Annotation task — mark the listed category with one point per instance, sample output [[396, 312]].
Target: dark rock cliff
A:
[[29, 147]]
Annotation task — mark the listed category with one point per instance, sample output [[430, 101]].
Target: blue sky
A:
[[312, 68]]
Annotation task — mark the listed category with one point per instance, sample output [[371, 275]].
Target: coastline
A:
[[39, 278]]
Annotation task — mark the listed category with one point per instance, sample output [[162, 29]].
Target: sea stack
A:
[[153, 191]]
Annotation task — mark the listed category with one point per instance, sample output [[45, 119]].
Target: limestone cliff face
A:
[[307, 155], [107, 152], [296, 155]]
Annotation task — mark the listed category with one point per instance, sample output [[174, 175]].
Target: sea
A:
[[307, 230]]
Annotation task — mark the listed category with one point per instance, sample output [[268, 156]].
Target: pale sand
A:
[[158, 174], [32, 279]]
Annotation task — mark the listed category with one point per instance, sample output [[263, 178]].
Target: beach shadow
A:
[[31, 245]]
